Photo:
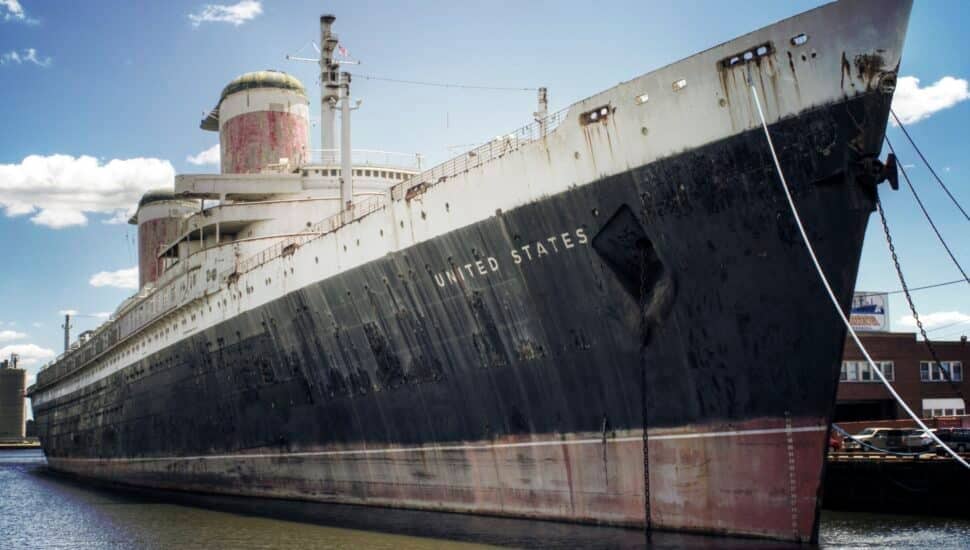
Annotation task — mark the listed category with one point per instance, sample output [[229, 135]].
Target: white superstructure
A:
[[283, 229]]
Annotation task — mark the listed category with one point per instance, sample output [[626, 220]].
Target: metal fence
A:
[[367, 157], [315, 231], [483, 154]]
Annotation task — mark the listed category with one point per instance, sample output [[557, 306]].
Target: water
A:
[[41, 510]]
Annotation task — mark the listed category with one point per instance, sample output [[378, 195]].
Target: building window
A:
[[888, 370], [943, 372], [861, 371], [949, 406], [851, 369]]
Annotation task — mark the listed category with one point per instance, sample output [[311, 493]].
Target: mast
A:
[[329, 86], [346, 166], [543, 111]]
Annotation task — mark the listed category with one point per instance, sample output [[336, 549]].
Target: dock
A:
[[926, 484], [25, 444]]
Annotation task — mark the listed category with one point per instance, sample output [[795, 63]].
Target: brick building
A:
[[907, 363]]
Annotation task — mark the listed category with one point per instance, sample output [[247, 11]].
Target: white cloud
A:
[[119, 217], [101, 314], [11, 10], [913, 104], [236, 14], [935, 320], [59, 218], [68, 312], [30, 354], [123, 278], [209, 156], [60, 190], [9, 335], [28, 55]]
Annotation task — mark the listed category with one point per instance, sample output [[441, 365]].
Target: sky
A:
[[100, 101]]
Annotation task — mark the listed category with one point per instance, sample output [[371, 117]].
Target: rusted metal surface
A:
[[569, 478], [152, 235], [250, 142], [759, 477]]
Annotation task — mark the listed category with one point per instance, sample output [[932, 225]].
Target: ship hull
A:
[[653, 349]]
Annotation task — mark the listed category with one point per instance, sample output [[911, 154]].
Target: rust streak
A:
[[846, 69]]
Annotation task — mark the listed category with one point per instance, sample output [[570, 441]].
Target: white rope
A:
[[828, 288]]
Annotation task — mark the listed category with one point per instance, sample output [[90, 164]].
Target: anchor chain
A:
[[644, 338], [909, 297]]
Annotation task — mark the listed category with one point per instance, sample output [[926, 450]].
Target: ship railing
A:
[[478, 156], [482, 154], [367, 157], [285, 246], [288, 245]]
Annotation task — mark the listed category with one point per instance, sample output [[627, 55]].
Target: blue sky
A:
[[130, 81]]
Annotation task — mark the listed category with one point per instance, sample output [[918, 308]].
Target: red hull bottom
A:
[[758, 478]]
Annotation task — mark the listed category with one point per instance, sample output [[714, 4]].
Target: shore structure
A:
[[13, 404]]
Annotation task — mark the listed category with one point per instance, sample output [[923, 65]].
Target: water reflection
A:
[[39, 509]]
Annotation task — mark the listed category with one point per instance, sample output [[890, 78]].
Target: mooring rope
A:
[[828, 287], [928, 165]]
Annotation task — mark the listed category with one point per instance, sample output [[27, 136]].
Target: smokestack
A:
[[67, 331]]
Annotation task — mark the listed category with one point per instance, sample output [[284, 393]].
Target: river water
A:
[[42, 510]]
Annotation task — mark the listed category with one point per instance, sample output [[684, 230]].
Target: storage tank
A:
[[158, 218], [13, 413], [262, 119]]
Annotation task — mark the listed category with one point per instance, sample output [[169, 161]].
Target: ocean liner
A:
[[606, 316]]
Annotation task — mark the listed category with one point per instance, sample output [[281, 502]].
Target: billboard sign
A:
[[870, 312]]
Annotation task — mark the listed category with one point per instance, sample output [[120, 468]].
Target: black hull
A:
[[675, 295]]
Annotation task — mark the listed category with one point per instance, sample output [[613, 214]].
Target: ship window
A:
[[642, 98], [367, 173], [383, 174], [598, 114], [333, 173], [799, 39], [357, 173], [680, 84]]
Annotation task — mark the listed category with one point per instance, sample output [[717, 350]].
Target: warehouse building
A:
[[929, 389]]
